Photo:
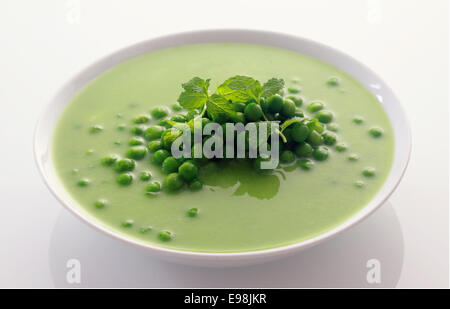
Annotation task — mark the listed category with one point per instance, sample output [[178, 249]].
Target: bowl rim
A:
[[141, 47]]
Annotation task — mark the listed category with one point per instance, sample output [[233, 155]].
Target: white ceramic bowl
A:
[[365, 76]]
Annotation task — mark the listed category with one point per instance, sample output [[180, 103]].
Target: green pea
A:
[[170, 165], [253, 112], [127, 223], [287, 157], [163, 123], [298, 101], [165, 235], [196, 185], [239, 117], [138, 130], [303, 150], [305, 164], [315, 107], [125, 179], [154, 146], [173, 182], [124, 165], [188, 171], [324, 116], [177, 107], [358, 119], [136, 152], [145, 175], [83, 182], [100, 203], [239, 107], [264, 105], [359, 184], [341, 147], [299, 113], [121, 127], [89, 152], [169, 136], [369, 171], [96, 128], [333, 81], [315, 139], [136, 141], [154, 186], [275, 104], [193, 212], [160, 112], [117, 143], [329, 138], [288, 110], [159, 156], [145, 229], [294, 90], [376, 131], [299, 132], [153, 132], [109, 160], [353, 157], [333, 127], [320, 153], [141, 119], [179, 118]]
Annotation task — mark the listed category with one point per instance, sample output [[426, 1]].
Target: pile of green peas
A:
[[303, 141]]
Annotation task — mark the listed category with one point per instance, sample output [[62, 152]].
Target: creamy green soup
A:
[[239, 209]]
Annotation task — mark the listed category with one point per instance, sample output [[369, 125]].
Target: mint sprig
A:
[[219, 105]]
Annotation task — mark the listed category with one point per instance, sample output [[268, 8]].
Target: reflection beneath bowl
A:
[[340, 262]]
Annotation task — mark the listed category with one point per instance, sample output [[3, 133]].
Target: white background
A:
[[44, 43]]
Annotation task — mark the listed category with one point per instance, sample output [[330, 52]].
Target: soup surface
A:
[[239, 208]]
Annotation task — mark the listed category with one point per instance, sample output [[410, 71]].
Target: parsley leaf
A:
[[272, 86], [219, 108], [195, 93], [240, 89]]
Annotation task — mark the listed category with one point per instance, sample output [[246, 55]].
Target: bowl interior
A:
[[365, 76]]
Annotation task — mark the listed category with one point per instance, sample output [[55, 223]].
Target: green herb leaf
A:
[[272, 86], [240, 89], [219, 108], [195, 93]]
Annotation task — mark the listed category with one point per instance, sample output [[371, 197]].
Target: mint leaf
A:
[[219, 108], [272, 86], [240, 89], [195, 93]]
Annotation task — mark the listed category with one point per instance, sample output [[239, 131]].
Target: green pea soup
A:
[[238, 209]]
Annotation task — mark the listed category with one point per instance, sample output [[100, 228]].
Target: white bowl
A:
[[364, 75]]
